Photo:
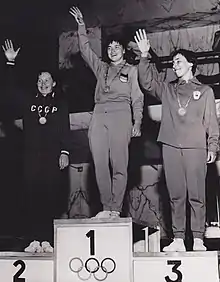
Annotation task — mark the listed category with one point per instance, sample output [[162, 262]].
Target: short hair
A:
[[189, 55], [52, 73], [55, 74], [114, 37]]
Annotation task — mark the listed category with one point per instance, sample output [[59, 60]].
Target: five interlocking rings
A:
[[92, 269]]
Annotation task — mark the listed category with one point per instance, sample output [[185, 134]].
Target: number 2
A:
[[91, 235], [176, 264], [16, 277]]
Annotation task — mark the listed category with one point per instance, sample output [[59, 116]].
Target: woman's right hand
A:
[[9, 51], [76, 13]]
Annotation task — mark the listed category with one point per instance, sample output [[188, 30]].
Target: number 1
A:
[[91, 235]]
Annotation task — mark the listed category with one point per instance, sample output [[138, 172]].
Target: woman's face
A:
[[115, 52], [45, 83], [181, 66]]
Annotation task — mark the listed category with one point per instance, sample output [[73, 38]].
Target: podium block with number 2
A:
[[176, 267], [93, 250], [23, 267]]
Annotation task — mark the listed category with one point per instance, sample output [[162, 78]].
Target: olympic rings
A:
[[84, 279], [80, 268], [99, 266], [114, 265], [101, 279], [96, 269]]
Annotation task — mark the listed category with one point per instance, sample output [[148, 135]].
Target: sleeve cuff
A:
[[145, 59], [213, 149], [82, 29], [65, 152], [10, 63]]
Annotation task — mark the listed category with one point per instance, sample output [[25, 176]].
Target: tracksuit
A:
[[45, 187], [185, 140], [111, 125]]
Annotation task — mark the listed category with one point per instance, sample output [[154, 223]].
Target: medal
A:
[[106, 89], [181, 111], [42, 120]]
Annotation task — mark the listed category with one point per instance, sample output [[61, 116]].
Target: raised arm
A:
[[147, 74], [14, 96], [87, 53]]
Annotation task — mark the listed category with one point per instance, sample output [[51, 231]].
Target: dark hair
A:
[[53, 74], [189, 55], [115, 37]]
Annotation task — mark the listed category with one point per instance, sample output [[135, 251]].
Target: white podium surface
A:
[[176, 267], [24, 267], [93, 250]]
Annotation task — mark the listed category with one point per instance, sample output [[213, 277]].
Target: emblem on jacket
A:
[[123, 77], [196, 95]]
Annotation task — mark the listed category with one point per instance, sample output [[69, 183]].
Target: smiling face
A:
[[181, 67], [115, 52], [45, 83]]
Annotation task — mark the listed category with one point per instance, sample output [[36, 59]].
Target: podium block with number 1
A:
[[93, 250]]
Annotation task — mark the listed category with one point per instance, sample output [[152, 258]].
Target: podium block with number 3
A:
[[93, 250], [176, 267]]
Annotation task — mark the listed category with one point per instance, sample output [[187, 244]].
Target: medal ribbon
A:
[[187, 102], [107, 85]]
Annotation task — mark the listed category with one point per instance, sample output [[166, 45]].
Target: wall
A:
[[114, 12]]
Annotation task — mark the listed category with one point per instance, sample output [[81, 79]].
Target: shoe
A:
[[139, 246], [46, 247], [102, 215], [64, 216], [176, 246], [114, 214], [34, 247], [198, 245]]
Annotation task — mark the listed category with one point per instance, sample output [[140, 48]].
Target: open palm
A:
[[76, 13], [9, 51]]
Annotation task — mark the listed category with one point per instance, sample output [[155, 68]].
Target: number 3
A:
[[16, 277], [176, 264]]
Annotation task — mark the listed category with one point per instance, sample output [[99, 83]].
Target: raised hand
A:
[[9, 51], [142, 42], [74, 11]]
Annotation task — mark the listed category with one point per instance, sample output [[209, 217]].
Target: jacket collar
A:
[[194, 80]]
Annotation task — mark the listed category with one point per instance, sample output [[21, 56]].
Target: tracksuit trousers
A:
[[185, 171], [109, 137]]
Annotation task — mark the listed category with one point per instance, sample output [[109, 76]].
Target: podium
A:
[[25, 267], [93, 250], [176, 267], [101, 250]]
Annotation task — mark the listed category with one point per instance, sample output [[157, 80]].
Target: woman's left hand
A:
[[63, 161], [136, 130]]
